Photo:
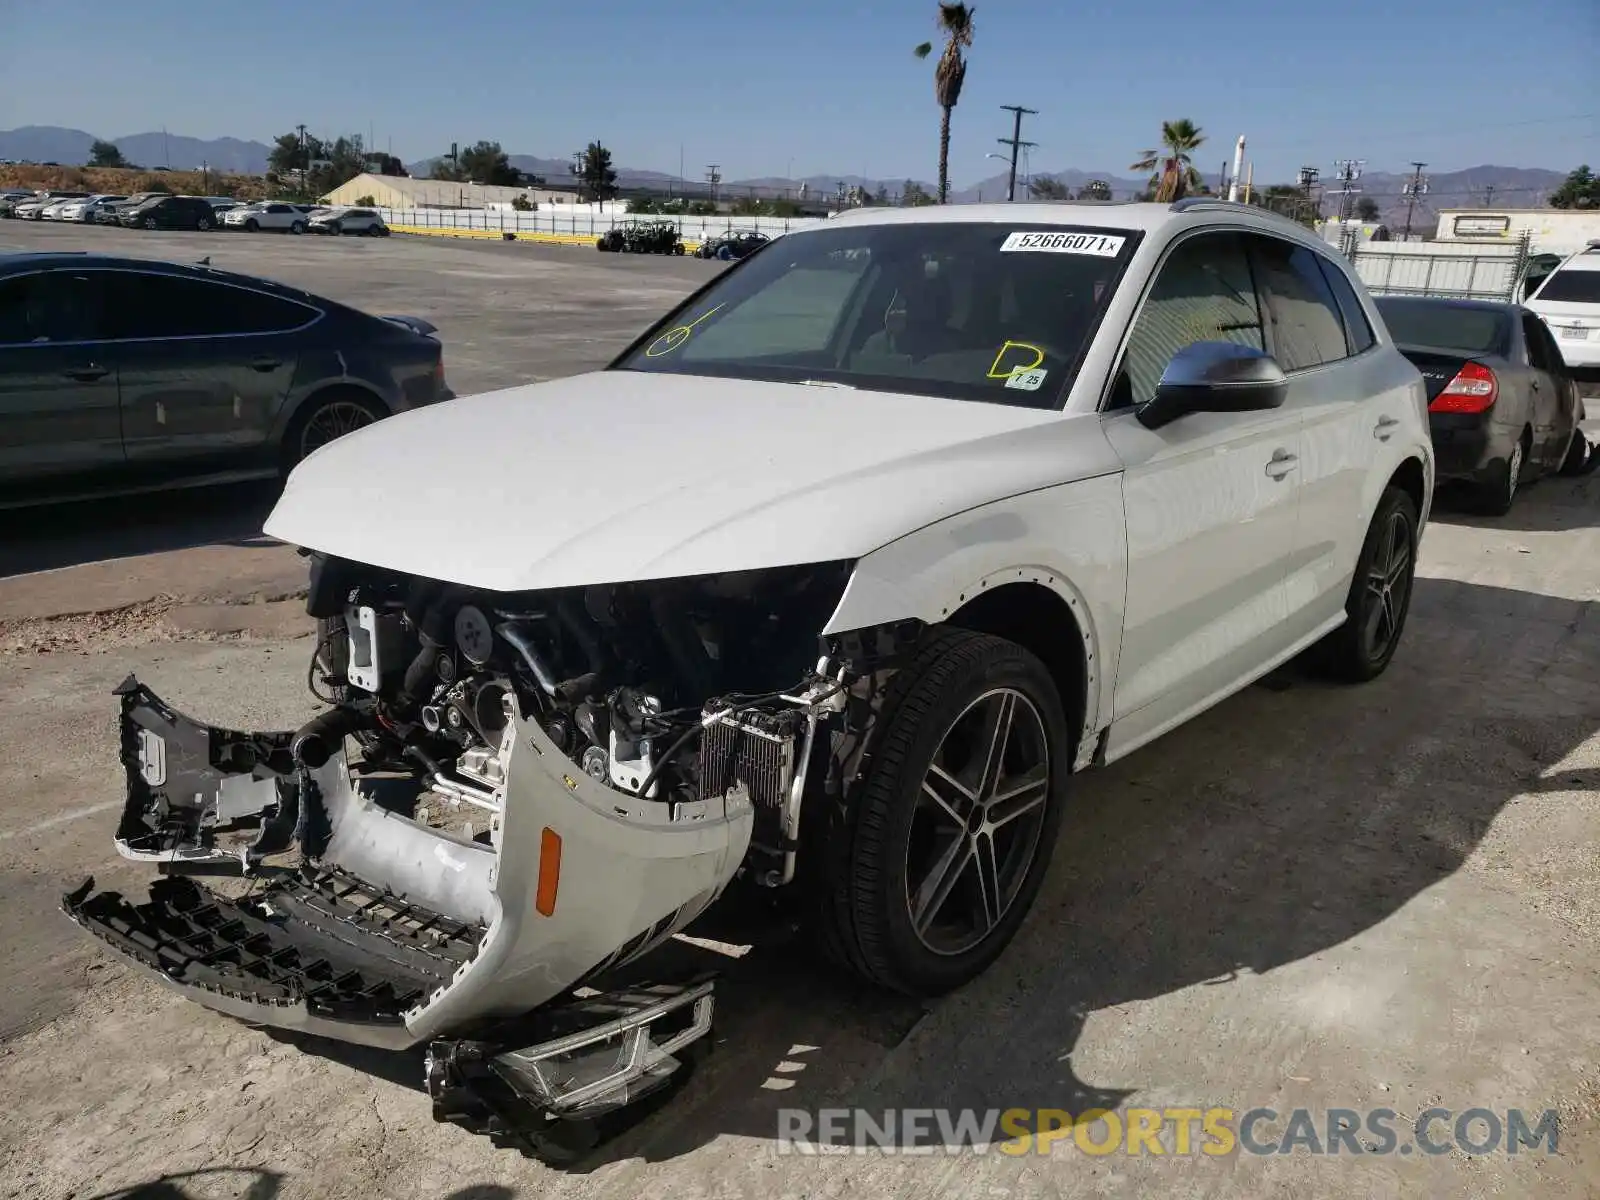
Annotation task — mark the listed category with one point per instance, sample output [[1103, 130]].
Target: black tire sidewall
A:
[[922, 715], [289, 452], [1393, 500]]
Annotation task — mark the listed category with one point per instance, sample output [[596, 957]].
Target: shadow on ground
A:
[[252, 1183], [64, 535], [1239, 843], [1550, 505]]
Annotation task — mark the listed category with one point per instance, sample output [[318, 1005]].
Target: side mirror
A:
[[1215, 377]]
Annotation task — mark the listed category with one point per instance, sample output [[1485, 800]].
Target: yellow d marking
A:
[[679, 334], [994, 368]]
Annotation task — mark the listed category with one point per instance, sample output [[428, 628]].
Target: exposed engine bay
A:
[[507, 797]]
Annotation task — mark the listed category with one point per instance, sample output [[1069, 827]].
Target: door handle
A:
[[265, 364], [1281, 463], [87, 374], [1384, 425]]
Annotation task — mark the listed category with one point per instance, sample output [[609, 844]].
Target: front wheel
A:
[[922, 880], [1579, 453], [149, 222], [1380, 594], [252, 226], [1496, 497], [297, 228], [203, 225]]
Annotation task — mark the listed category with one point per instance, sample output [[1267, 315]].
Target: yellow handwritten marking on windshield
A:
[[994, 368], [678, 335]]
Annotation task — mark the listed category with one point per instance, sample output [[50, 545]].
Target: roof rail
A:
[[1204, 203]]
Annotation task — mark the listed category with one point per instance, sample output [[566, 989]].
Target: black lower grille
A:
[[756, 749], [348, 951]]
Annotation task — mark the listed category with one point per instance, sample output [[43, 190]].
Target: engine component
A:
[[596, 764], [474, 636], [376, 642]]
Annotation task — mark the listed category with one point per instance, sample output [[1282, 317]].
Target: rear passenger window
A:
[[1307, 329], [1358, 330], [1202, 293], [170, 306], [49, 307]]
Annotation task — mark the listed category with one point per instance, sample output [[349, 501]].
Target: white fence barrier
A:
[[1455, 269], [582, 221]]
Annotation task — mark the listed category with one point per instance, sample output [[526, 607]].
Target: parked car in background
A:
[[86, 210], [733, 245], [124, 374], [1502, 408], [14, 196], [269, 214], [170, 212], [111, 214], [52, 211], [33, 210], [349, 220], [1568, 301]]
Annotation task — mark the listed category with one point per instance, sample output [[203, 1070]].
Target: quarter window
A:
[[1202, 293], [1307, 329], [1358, 330], [166, 306]]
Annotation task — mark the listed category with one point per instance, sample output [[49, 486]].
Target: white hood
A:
[[622, 475]]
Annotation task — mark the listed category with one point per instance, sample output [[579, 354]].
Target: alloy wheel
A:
[[331, 422], [976, 828], [1513, 472], [1388, 587]]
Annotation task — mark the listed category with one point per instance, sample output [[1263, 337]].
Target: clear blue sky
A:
[[830, 87]]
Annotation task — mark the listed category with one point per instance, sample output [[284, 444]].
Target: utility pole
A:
[[714, 177], [1308, 180], [1414, 191], [1232, 184], [1488, 196], [1349, 172], [1016, 143]]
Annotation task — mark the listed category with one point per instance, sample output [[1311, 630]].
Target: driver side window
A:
[[1202, 293]]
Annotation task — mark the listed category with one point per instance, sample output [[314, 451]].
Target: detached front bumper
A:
[[392, 932]]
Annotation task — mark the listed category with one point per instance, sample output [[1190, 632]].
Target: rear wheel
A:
[[252, 225], [203, 224], [297, 227], [1579, 452], [922, 879], [149, 222], [1380, 595], [325, 419], [1496, 497]]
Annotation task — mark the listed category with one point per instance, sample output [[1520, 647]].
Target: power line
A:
[[1415, 190]]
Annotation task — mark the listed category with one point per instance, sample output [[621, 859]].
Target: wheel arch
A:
[[296, 411]]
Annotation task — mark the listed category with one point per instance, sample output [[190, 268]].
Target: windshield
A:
[[1446, 326], [1571, 286], [983, 311]]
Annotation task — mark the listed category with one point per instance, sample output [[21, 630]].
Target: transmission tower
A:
[[1349, 172]]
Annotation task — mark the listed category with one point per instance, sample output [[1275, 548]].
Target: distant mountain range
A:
[[1523, 187]]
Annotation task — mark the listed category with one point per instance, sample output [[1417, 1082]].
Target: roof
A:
[[44, 259], [441, 192], [1095, 214]]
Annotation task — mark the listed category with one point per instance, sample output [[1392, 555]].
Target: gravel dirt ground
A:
[[1310, 897]]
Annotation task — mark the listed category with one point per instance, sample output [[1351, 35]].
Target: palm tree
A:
[[955, 22], [1174, 162]]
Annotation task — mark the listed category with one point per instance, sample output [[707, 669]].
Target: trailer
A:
[[1460, 270]]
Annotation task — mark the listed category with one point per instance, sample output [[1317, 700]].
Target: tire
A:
[[1579, 452], [297, 227], [149, 222], [252, 226], [725, 253], [862, 856], [1350, 654], [203, 225], [301, 438], [1496, 497]]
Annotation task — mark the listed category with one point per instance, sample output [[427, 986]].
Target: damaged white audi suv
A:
[[829, 583]]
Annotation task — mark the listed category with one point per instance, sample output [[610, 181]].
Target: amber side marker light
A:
[[544, 897]]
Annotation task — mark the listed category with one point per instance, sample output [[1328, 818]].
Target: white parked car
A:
[[1568, 301], [349, 220], [859, 555], [34, 210], [87, 209], [287, 218]]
